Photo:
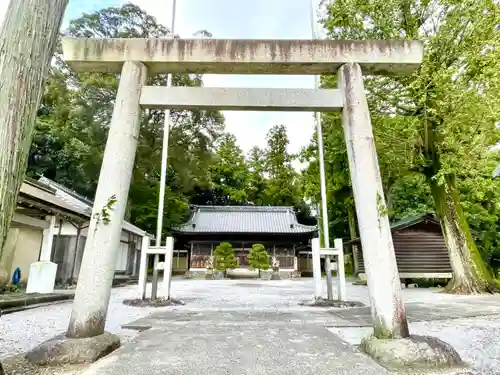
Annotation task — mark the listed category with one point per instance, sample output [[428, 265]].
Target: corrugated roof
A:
[[80, 203], [244, 219]]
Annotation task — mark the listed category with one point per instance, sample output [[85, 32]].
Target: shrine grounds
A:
[[257, 326]]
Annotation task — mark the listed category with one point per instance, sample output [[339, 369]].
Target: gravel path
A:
[[477, 339], [23, 330]]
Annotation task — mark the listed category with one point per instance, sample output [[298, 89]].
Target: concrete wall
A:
[[22, 249], [24, 242], [9, 251]]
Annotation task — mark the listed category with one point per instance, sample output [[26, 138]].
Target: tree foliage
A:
[[76, 112], [433, 129], [224, 258], [258, 258], [205, 164]]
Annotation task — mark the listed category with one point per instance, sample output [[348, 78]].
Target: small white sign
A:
[[328, 252], [160, 266], [156, 250]]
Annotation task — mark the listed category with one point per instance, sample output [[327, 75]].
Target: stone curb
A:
[[24, 303]]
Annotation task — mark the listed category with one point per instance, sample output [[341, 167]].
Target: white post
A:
[[316, 258], [322, 178], [48, 239], [163, 175], [143, 267], [167, 270], [93, 291], [340, 269], [387, 307]]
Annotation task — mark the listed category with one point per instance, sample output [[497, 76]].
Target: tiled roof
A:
[[244, 219], [80, 203]]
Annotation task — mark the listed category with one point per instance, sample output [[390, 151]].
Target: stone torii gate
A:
[[136, 58]]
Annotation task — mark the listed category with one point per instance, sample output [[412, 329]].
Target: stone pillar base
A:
[[62, 350], [413, 354], [275, 275]]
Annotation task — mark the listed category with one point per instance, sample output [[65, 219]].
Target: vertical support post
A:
[[92, 294], [387, 307], [48, 239], [154, 283], [77, 242], [130, 254], [163, 173], [190, 260], [322, 178], [340, 269], [316, 260], [167, 271], [143, 267]]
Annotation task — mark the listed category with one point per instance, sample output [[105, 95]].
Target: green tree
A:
[[229, 172], [74, 119], [257, 184], [224, 258], [440, 121], [258, 258], [282, 180]]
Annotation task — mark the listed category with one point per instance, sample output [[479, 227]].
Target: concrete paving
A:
[[257, 327]]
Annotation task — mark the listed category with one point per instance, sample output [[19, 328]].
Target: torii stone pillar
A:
[[92, 294], [387, 306], [312, 57]]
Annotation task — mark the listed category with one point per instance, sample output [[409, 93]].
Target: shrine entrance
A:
[[136, 58]]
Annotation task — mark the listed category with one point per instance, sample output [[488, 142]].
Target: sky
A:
[[229, 19]]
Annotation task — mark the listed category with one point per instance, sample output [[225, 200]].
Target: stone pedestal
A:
[[209, 274], [42, 277], [413, 355], [275, 275], [62, 350]]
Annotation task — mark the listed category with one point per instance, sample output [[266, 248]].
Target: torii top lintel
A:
[[219, 56]]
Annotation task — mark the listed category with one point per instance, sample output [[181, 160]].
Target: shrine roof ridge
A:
[[244, 219]]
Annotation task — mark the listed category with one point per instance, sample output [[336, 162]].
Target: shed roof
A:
[[244, 219], [80, 203], [407, 222], [41, 196]]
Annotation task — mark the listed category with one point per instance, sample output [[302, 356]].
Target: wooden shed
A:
[[420, 249]]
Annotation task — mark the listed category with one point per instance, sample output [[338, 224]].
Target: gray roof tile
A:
[[244, 219]]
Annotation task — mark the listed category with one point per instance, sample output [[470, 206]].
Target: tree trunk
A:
[[353, 234], [470, 273], [28, 37]]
